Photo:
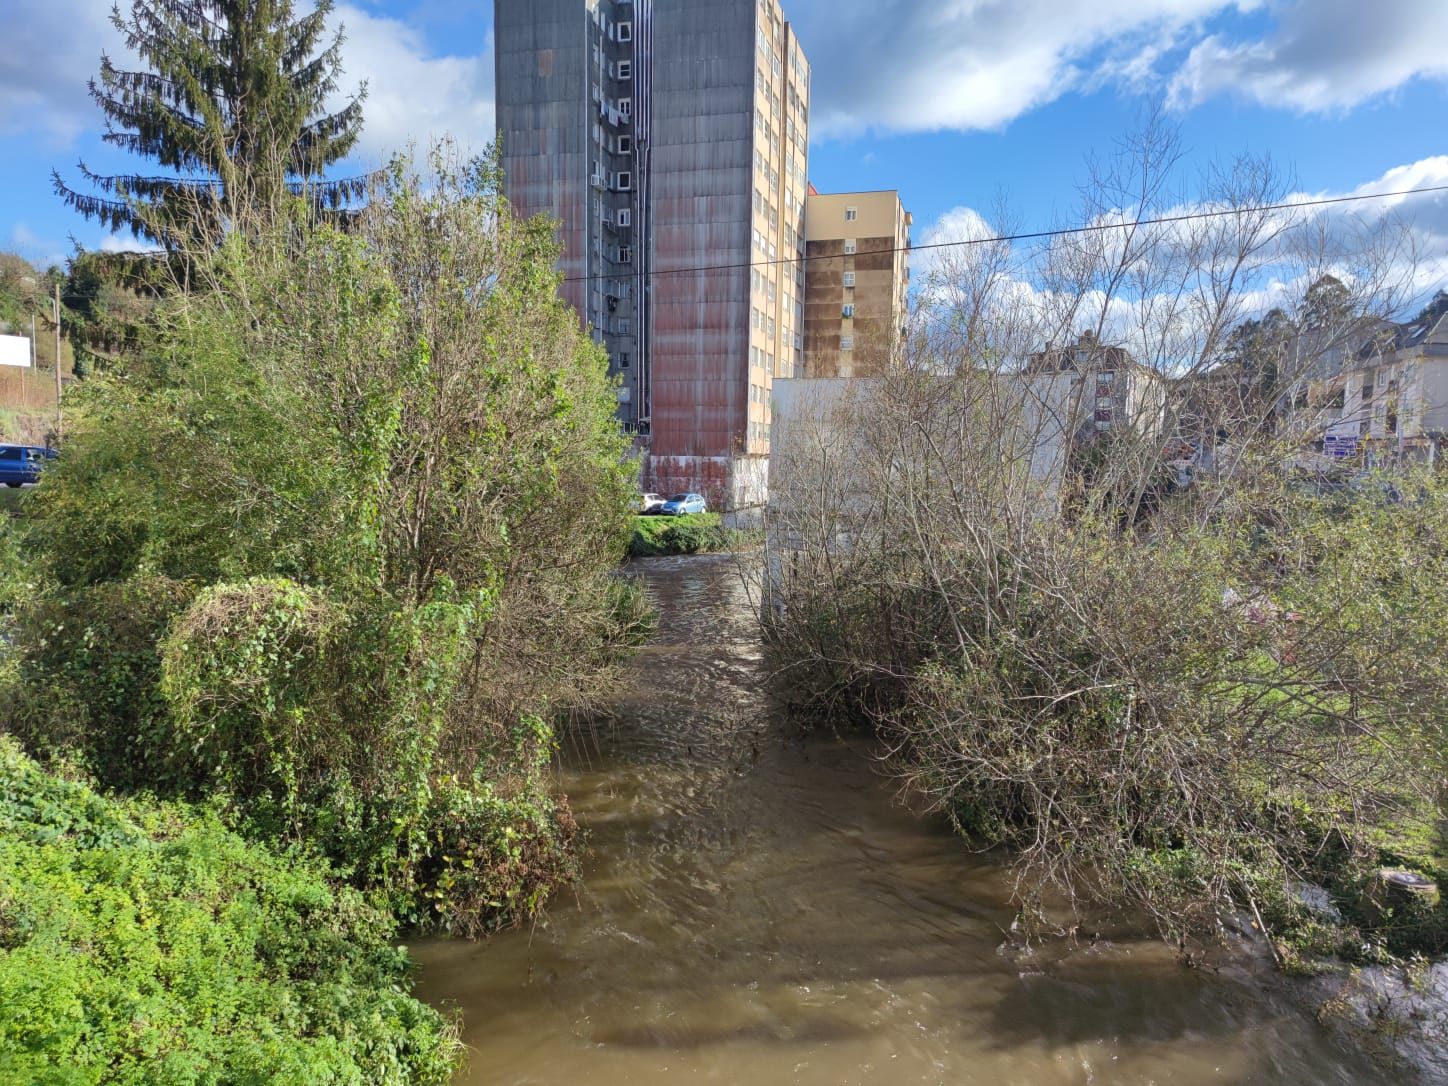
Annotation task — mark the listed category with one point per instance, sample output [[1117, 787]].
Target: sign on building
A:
[[15, 351], [1341, 446]]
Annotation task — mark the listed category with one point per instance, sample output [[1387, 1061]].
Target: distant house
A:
[[1388, 397], [1110, 390]]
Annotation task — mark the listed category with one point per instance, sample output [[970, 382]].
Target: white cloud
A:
[[1424, 215], [1409, 259], [124, 243], [1322, 55], [934, 247], [920, 65], [52, 49], [413, 94]]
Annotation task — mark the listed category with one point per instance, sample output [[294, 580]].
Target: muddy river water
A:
[[757, 907]]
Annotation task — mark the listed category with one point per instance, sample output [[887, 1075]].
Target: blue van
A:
[[21, 464]]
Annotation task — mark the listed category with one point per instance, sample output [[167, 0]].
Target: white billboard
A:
[[15, 351]]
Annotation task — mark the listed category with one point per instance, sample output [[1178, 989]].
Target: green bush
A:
[[345, 516], [146, 944], [88, 666], [495, 847], [657, 536]]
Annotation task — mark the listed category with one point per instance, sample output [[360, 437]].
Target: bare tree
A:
[[1091, 623]]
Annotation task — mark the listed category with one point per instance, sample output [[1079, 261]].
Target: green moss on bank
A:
[[144, 943]]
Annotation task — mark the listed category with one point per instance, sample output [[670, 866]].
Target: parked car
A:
[[680, 504], [21, 464], [650, 503]]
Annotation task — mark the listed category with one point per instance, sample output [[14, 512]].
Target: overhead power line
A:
[[1038, 235]]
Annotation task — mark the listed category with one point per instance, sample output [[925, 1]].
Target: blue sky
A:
[[957, 103]]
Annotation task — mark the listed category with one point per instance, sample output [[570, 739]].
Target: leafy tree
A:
[[232, 102], [339, 545], [1327, 303], [1436, 308], [107, 298]]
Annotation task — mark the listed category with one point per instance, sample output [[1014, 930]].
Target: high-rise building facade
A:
[[858, 281], [670, 139]]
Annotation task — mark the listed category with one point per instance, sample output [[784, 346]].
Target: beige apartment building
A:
[[856, 282], [1388, 397]]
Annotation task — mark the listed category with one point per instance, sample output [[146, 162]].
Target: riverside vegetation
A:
[[322, 562], [696, 533], [1186, 702]]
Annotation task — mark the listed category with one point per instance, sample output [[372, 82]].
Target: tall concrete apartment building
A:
[[857, 282], [670, 139]]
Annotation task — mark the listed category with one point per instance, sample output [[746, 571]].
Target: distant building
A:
[[670, 139], [1111, 391], [1387, 397], [857, 280]]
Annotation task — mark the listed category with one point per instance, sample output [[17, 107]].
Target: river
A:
[[757, 907]]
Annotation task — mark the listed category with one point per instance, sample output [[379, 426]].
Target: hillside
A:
[[27, 397]]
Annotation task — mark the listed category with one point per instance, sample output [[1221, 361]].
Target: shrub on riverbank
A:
[[1188, 713], [344, 525], [145, 943], [694, 533]]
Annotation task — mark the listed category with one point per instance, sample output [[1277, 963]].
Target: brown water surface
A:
[[757, 908]]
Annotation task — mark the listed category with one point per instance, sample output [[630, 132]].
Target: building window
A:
[[847, 343], [625, 107], [851, 214], [625, 31], [623, 361], [849, 246], [849, 279], [625, 255], [625, 145], [625, 217], [625, 69], [624, 181], [625, 326]]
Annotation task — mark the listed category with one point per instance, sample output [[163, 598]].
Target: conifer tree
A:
[[233, 104]]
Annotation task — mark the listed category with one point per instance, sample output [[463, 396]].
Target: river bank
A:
[[757, 906]]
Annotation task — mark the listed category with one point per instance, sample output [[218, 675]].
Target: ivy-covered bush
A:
[[344, 521], [88, 662], [495, 846], [146, 945], [318, 720]]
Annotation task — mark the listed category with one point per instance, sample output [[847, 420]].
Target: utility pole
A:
[[58, 418]]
